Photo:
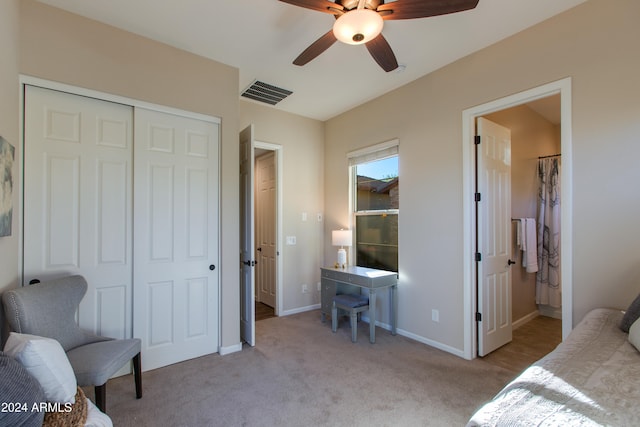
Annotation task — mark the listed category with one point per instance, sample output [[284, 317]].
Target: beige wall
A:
[[9, 131], [302, 142], [531, 136], [595, 44], [67, 48]]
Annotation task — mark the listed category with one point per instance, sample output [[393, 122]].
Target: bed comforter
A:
[[592, 378]]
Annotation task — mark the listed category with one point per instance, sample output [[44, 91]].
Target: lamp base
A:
[[342, 258]]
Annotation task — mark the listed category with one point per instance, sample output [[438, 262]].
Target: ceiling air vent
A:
[[263, 92]]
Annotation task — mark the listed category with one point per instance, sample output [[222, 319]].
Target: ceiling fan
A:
[[361, 22]]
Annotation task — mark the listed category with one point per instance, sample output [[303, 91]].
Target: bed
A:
[[592, 378]]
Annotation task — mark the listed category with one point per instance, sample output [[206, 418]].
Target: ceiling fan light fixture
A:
[[358, 26]]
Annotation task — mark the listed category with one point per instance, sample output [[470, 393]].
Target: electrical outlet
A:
[[435, 315], [291, 240], [305, 288]]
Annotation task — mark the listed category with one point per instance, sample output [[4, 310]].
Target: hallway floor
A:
[[531, 341], [263, 311]]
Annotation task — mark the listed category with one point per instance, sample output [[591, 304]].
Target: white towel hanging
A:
[[530, 252]]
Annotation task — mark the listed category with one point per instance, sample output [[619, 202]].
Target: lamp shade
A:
[[358, 26], [341, 237]]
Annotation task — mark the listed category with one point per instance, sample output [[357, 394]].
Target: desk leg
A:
[[372, 316], [392, 309]]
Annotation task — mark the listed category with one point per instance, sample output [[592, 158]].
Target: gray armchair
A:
[[48, 309]]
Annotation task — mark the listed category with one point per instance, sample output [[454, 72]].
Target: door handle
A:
[[259, 249], [250, 263], [212, 267], [510, 262]]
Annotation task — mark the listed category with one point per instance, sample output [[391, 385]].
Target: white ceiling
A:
[[262, 37]]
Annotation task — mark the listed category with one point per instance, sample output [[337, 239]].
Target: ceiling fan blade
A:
[[381, 51], [409, 9], [325, 6], [316, 48]]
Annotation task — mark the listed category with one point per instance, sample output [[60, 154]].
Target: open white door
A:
[[176, 237], [494, 236], [247, 244]]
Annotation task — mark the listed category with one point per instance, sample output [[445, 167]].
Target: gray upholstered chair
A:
[[48, 309]]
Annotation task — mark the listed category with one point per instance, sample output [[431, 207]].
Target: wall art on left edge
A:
[[7, 156]]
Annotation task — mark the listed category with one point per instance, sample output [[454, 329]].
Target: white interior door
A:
[[176, 237], [266, 228], [78, 201], [494, 236], [247, 243]]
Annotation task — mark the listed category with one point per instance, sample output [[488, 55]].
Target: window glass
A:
[[376, 213], [377, 241]]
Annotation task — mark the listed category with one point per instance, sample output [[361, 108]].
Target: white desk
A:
[[351, 280]]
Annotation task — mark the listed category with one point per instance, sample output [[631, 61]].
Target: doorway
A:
[[533, 133], [266, 213], [250, 151], [563, 89], [535, 136]]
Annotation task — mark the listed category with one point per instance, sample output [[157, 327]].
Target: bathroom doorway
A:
[[562, 89]]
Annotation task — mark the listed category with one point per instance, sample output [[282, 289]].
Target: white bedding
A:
[[95, 417], [592, 378]]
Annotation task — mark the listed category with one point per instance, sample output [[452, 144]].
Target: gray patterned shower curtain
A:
[[548, 287]]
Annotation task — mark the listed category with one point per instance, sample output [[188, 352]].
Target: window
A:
[[376, 205]]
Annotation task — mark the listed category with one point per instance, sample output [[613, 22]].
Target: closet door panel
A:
[[176, 235], [60, 222], [78, 201], [197, 190], [112, 211], [160, 236]]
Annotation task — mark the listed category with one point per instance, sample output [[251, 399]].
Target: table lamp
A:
[[341, 238]]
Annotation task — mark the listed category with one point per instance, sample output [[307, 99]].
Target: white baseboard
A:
[[230, 349], [547, 310], [431, 343], [300, 310], [420, 339], [521, 321]]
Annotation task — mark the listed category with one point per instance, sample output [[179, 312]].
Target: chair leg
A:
[[137, 374], [101, 397], [334, 318], [354, 326]]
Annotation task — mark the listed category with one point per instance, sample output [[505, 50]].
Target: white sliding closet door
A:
[[176, 237], [78, 201], [138, 219]]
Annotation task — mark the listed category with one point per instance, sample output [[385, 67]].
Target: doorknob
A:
[[510, 262], [212, 267], [259, 249]]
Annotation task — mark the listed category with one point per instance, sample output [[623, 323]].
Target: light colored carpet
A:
[[301, 374]]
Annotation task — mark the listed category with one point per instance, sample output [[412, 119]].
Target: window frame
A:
[[370, 154]]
